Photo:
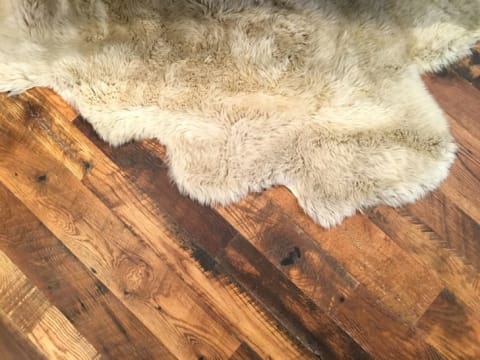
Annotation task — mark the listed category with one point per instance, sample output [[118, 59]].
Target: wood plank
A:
[[381, 332], [457, 98], [456, 230], [452, 327], [122, 261], [369, 256], [426, 247], [72, 288], [14, 345], [299, 314], [306, 264], [43, 324]]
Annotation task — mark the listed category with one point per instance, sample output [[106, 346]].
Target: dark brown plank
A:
[[452, 327], [245, 352], [71, 287], [14, 345]]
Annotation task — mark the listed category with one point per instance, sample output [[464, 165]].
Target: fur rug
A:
[[322, 96]]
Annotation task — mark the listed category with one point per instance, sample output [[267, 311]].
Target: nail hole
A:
[[42, 178]]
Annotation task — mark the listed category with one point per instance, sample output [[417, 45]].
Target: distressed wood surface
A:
[[101, 257]]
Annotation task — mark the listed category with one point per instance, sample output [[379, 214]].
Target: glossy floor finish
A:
[[101, 257]]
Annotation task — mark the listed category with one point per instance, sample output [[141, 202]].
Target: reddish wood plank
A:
[[426, 247], [452, 327], [383, 334], [455, 229]]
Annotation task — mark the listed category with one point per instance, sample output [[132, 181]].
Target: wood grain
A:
[[36, 251], [31, 313]]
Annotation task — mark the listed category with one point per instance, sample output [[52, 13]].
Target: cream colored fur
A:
[[322, 96]]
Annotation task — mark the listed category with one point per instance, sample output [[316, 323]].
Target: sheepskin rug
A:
[[322, 96]]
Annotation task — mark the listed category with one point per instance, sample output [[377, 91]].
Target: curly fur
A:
[[322, 96]]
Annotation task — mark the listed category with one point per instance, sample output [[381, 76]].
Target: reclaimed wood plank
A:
[[382, 333], [306, 264], [296, 311]]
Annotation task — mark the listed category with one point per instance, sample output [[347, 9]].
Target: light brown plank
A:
[[43, 324]]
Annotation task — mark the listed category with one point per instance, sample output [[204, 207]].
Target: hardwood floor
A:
[[101, 257]]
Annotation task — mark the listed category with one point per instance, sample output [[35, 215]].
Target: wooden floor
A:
[[100, 257]]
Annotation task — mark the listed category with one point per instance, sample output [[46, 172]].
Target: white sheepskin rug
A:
[[322, 96]]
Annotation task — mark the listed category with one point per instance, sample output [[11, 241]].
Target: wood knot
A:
[[291, 257], [87, 166]]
